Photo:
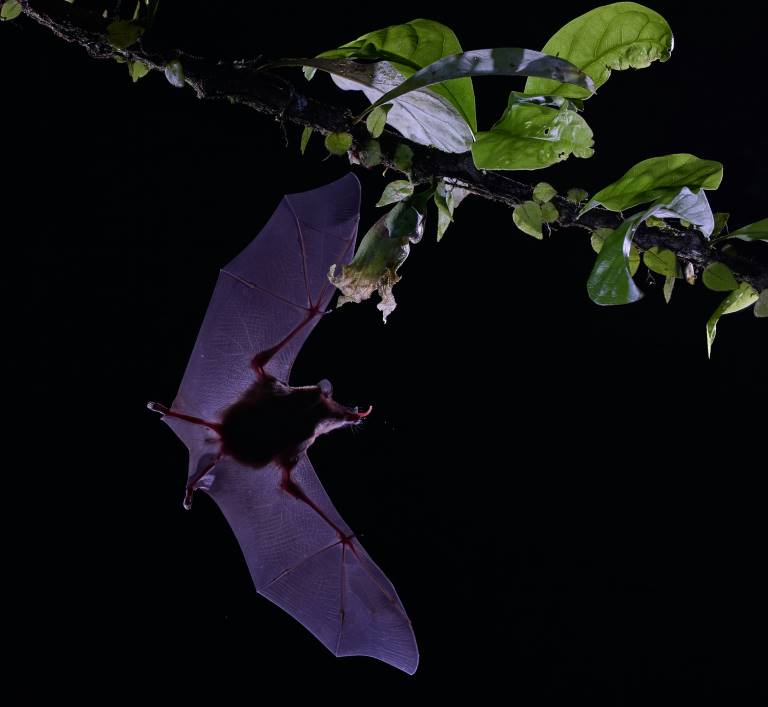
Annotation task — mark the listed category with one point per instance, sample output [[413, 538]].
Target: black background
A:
[[568, 498]]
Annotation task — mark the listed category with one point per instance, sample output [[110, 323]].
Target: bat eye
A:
[[325, 387]]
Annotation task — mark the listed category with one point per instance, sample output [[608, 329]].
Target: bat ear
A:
[[331, 205], [325, 387]]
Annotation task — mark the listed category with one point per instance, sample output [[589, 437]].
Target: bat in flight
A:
[[248, 430]]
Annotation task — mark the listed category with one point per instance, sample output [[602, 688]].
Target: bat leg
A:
[[288, 485], [195, 480], [261, 359], [167, 412]]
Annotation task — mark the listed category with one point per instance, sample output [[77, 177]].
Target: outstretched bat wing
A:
[[270, 296], [303, 558], [297, 561]]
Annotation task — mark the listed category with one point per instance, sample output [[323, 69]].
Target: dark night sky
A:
[[569, 499]]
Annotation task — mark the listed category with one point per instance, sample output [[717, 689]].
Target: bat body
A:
[[248, 430]]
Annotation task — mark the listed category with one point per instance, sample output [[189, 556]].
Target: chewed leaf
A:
[[408, 48], [737, 300], [620, 36], [382, 251], [530, 136], [501, 61], [658, 178], [718, 277], [424, 116]]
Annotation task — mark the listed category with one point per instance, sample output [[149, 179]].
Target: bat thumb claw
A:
[[187, 503], [157, 407]]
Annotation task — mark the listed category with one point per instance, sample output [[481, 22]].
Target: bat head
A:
[[335, 414]]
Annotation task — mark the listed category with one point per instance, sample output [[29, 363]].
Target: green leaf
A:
[[408, 48], [530, 136], [395, 191], [448, 196], [718, 277], [501, 61], [576, 196], [403, 157], [721, 221], [309, 72], [549, 212], [757, 231], [544, 192], [137, 70], [669, 284], [529, 219], [444, 215], [610, 281], [737, 300], [661, 261], [597, 239], [338, 143], [10, 10], [122, 33], [305, 135], [424, 116], [370, 154], [658, 178], [655, 222], [633, 261], [174, 72], [761, 306], [619, 36], [403, 221], [377, 119]]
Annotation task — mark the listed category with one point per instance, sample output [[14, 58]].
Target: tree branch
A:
[[267, 92]]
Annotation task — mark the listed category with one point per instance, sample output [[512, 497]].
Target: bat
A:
[[248, 430]]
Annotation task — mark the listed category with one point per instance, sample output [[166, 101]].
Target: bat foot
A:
[[157, 407], [187, 502]]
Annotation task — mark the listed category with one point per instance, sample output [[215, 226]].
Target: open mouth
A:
[[355, 415]]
